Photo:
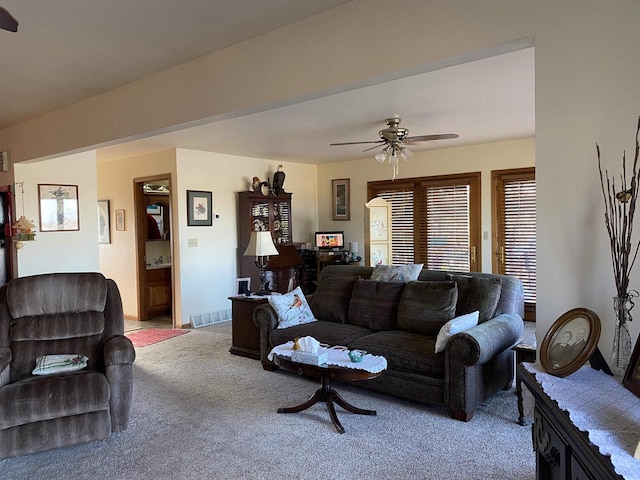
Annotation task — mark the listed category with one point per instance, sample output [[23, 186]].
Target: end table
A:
[[525, 352]]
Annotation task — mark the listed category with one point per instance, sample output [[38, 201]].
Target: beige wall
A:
[[478, 158], [61, 251], [115, 183], [204, 277], [586, 73]]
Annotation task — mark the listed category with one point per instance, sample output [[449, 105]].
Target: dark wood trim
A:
[[140, 206]]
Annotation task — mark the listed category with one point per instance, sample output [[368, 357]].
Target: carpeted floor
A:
[[201, 413]]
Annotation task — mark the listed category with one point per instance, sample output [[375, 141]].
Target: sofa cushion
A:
[[396, 273], [426, 306], [405, 351], [456, 325], [46, 398], [477, 293], [330, 302], [374, 304], [292, 308], [331, 333]]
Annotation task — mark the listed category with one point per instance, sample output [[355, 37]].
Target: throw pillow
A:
[[396, 273], [477, 293], [291, 308], [49, 364], [374, 304], [456, 325], [426, 306], [330, 301]]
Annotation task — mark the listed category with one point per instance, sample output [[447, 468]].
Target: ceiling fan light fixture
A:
[[406, 154], [381, 156]]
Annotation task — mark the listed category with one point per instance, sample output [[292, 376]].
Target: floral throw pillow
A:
[[291, 308], [396, 273]]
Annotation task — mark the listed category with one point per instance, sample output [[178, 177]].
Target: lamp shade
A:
[[353, 247], [260, 245]]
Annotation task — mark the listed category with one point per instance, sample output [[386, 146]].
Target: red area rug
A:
[[149, 336]]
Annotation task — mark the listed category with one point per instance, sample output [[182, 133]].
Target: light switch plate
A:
[[192, 242]]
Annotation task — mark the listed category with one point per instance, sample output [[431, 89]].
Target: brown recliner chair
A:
[[62, 313]]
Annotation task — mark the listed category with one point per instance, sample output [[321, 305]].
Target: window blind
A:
[[520, 233], [447, 227], [402, 231]]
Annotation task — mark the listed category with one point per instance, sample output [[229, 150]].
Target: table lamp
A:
[[261, 246]]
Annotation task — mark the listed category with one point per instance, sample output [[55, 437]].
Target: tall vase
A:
[[621, 353]]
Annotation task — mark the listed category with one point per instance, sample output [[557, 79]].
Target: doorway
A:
[[154, 247]]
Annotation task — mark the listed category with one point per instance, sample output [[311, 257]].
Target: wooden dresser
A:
[[584, 424]]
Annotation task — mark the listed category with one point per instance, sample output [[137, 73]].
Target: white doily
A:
[[598, 405], [337, 356]]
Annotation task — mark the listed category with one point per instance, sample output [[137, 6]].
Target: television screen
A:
[[330, 240]]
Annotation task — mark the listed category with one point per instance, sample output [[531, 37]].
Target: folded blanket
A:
[[48, 364]]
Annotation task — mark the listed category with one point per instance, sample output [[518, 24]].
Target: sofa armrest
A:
[[119, 356], [481, 343], [266, 319], [5, 365]]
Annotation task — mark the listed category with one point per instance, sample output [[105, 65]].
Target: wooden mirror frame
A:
[[560, 326]]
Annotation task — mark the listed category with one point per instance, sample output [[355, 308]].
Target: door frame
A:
[[140, 224]]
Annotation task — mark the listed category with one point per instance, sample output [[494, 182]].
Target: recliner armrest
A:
[[5, 366], [481, 343], [118, 350]]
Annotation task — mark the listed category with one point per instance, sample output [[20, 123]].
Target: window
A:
[[515, 229], [435, 220]]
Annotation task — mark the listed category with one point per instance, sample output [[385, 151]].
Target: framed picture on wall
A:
[[104, 222], [58, 205], [341, 202], [199, 207], [120, 225]]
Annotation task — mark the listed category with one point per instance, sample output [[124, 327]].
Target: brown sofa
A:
[[62, 313], [401, 322]]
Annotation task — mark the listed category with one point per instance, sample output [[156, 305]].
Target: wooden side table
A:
[[525, 352], [245, 336]]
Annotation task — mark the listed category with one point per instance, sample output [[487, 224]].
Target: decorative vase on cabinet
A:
[[621, 353]]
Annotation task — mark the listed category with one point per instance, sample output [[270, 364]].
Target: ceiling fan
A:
[[394, 138], [7, 22]]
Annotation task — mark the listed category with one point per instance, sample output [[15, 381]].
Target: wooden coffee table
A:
[[326, 393]]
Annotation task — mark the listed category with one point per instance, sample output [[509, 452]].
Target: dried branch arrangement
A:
[[620, 208]]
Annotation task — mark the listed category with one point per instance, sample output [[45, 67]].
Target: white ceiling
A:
[[68, 50]]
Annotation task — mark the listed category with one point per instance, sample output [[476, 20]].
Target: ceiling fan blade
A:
[[428, 138], [375, 146], [7, 22], [354, 143]]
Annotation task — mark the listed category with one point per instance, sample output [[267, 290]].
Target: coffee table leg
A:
[[348, 407], [328, 395], [332, 413], [313, 399]]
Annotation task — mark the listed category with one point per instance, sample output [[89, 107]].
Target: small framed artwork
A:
[[243, 286], [58, 205], [341, 201], [104, 225], [570, 342], [120, 225], [631, 378], [199, 207]]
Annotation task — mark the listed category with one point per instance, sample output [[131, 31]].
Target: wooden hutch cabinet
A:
[[258, 212]]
